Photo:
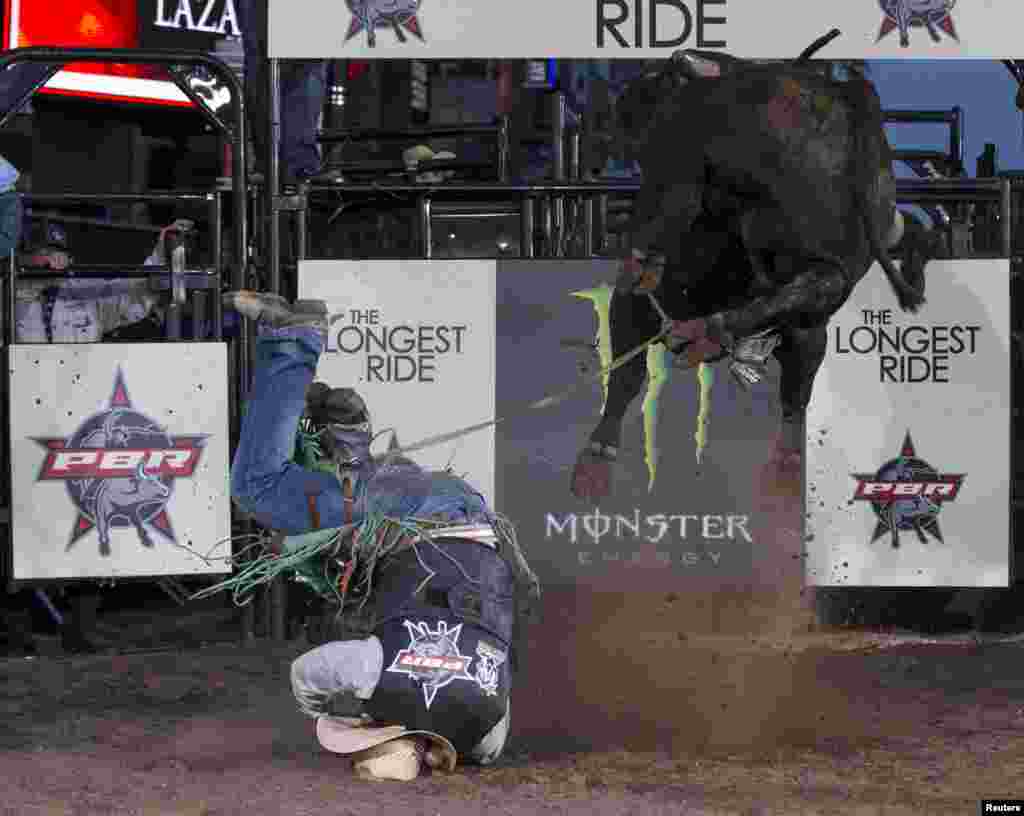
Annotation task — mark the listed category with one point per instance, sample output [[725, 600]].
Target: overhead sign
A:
[[193, 25], [908, 436], [417, 340], [640, 29], [119, 459]]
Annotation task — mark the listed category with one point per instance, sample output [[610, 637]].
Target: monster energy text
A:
[[653, 528]]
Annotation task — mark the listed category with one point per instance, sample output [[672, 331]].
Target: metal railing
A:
[[953, 159], [499, 132], [58, 57], [483, 200]]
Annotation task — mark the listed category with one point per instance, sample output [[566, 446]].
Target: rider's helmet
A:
[[341, 418]]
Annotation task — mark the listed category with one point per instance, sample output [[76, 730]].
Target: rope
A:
[[545, 402]]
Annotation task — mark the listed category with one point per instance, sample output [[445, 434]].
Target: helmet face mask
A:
[[348, 445], [344, 425]]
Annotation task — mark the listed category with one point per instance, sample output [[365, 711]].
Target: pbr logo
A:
[[907, 494], [932, 15], [119, 468], [433, 659], [371, 15]]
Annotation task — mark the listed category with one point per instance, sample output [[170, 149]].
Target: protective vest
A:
[[446, 644]]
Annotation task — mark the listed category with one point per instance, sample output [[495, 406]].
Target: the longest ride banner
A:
[[609, 29], [908, 467]]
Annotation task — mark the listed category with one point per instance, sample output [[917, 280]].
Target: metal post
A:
[[555, 227], [546, 226], [956, 138], [272, 179], [526, 227], [302, 237], [217, 263], [217, 310], [198, 315], [10, 301], [503, 148], [588, 227], [175, 248], [602, 222], [575, 146], [1006, 213], [426, 237]]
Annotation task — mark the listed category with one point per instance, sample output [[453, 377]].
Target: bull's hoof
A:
[[105, 549], [146, 541], [592, 476]]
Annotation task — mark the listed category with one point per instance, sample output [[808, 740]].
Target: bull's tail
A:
[[868, 149], [910, 299]]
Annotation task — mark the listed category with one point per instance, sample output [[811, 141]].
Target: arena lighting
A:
[[94, 24]]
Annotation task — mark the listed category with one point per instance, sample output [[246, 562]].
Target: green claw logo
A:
[[658, 368]]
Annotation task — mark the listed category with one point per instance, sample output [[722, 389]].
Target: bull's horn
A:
[[896, 230]]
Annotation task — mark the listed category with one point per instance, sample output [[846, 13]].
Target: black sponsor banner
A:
[[193, 25], [695, 519]]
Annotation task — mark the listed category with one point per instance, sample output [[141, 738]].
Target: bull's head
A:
[[155, 486]]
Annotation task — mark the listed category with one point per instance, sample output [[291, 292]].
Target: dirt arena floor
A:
[[641, 693]]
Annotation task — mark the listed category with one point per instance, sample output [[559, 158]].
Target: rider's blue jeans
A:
[[264, 480]]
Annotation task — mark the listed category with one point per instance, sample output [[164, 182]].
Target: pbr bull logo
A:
[[119, 468], [371, 15], [433, 659], [933, 16], [907, 494]]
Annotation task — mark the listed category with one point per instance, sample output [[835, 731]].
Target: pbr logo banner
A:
[[665, 510], [119, 459], [416, 340], [908, 436], [638, 29]]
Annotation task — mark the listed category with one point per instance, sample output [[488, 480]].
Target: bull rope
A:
[[545, 402]]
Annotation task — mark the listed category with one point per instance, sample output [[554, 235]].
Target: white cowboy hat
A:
[[385, 752]]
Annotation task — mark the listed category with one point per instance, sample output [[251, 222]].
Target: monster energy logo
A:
[[651, 528], [658, 369]]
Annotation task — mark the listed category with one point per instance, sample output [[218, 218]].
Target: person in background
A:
[[303, 93], [78, 310]]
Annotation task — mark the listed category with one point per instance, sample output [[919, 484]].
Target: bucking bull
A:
[[768, 194]]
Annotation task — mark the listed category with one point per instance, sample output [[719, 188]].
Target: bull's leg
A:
[[800, 355], [140, 528], [811, 296], [633, 322], [103, 529]]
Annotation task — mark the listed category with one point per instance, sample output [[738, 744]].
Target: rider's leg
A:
[[264, 480]]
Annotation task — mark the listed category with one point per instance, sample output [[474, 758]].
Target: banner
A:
[[664, 510], [640, 29], [119, 459], [908, 436], [416, 340]]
